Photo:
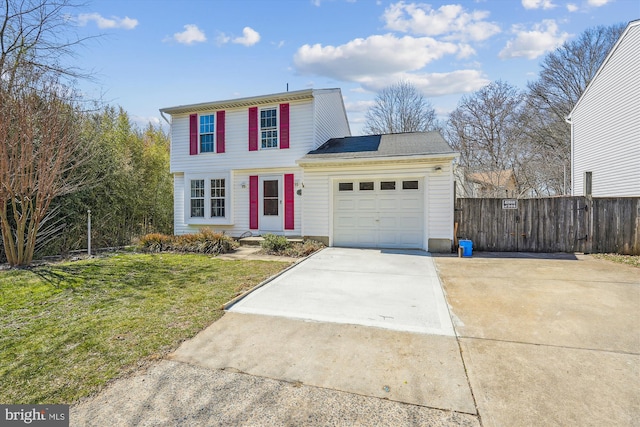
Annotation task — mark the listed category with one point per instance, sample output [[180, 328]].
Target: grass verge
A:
[[67, 329], [632, 260]]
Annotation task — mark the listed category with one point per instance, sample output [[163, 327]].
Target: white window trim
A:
[[215, 133], [260, 110], [228, 200]]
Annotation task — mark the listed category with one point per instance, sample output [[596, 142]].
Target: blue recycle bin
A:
[[467, 247]]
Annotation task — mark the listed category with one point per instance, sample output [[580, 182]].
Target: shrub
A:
[[275, 244], [299, 250], [205, 242], [279, 245], [155, 242]]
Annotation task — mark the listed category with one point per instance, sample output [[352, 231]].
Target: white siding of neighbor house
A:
[[438, 196], [606, 124]]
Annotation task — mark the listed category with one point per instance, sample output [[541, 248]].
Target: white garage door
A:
[[378, 213]]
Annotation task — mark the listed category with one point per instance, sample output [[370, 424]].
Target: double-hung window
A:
[[207, 133], [217, 197], [197, 198], [269, 128], [208, 201]]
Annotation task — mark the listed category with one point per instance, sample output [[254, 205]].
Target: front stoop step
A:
[[257, 241]]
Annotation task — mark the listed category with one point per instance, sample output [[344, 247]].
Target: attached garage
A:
[[380, 191], [378, 213]]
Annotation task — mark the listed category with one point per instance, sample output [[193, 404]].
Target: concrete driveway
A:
[[540, 340], [391, 289]]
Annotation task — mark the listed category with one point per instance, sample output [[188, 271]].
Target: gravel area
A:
[[178, 394]]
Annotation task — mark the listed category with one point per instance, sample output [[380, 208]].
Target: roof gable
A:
[[633, 25]]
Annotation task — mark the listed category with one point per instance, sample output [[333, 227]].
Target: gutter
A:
[[330, 161]]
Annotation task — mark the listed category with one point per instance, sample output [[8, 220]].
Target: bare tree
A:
[[39, 127], [39, 152], [566, 73], [485, 128], [35, 37], [400, 108]]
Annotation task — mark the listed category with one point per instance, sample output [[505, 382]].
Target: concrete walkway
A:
[[541, 340]]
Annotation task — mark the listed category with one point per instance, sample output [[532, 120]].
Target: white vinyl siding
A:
[[606, 125], [330, 117]]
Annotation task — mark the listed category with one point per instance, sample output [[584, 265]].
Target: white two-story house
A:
[[285, 163]]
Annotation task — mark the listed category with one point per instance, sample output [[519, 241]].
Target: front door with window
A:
[[270, 200]]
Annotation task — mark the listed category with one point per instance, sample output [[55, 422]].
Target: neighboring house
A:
[[605, 125], [285, 164], [492, 184]]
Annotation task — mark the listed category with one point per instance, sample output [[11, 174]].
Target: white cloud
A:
[[451, 21], [249, 37], [598, 3], [377, 55], [571, 7], [542, 38], [434, 84], [104, 23], [190, 35], [537, 4]]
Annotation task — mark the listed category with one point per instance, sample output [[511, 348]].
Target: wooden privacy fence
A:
[[555, 224]]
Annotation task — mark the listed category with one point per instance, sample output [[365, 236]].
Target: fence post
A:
[[89, 232]]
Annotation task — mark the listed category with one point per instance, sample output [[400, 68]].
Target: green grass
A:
[[67, 329], [632, 260]]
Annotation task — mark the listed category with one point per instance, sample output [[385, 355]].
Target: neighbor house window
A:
[[269, 128], [207, 133], [197, 198], [217, 197]]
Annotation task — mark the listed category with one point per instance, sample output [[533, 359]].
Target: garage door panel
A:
[[366, 221], [368, 203], [386, 203], [390, 218]]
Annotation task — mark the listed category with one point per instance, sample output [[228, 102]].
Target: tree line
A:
[[502, 132], [61, 156]]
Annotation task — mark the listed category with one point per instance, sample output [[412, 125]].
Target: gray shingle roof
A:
[[388, 145]]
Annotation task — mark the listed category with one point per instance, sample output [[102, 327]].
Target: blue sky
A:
[[162, 53]]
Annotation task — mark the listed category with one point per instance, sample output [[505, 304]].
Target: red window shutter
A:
[[289, 220], [284, 125], [253, 202], [220, 132], [253, 129], [193, 134]]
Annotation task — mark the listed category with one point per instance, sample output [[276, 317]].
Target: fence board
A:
[[557, 224]]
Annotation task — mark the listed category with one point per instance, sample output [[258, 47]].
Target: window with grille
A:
[[197, 198], [207, 133], [217, 197], [269, 128]]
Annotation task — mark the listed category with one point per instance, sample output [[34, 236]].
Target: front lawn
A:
[[66, 329]]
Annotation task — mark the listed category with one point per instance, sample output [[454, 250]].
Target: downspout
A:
[[165, 118], [568, 120]]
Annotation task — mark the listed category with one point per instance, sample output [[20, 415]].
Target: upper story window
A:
[[207, 133], [269, 128]]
